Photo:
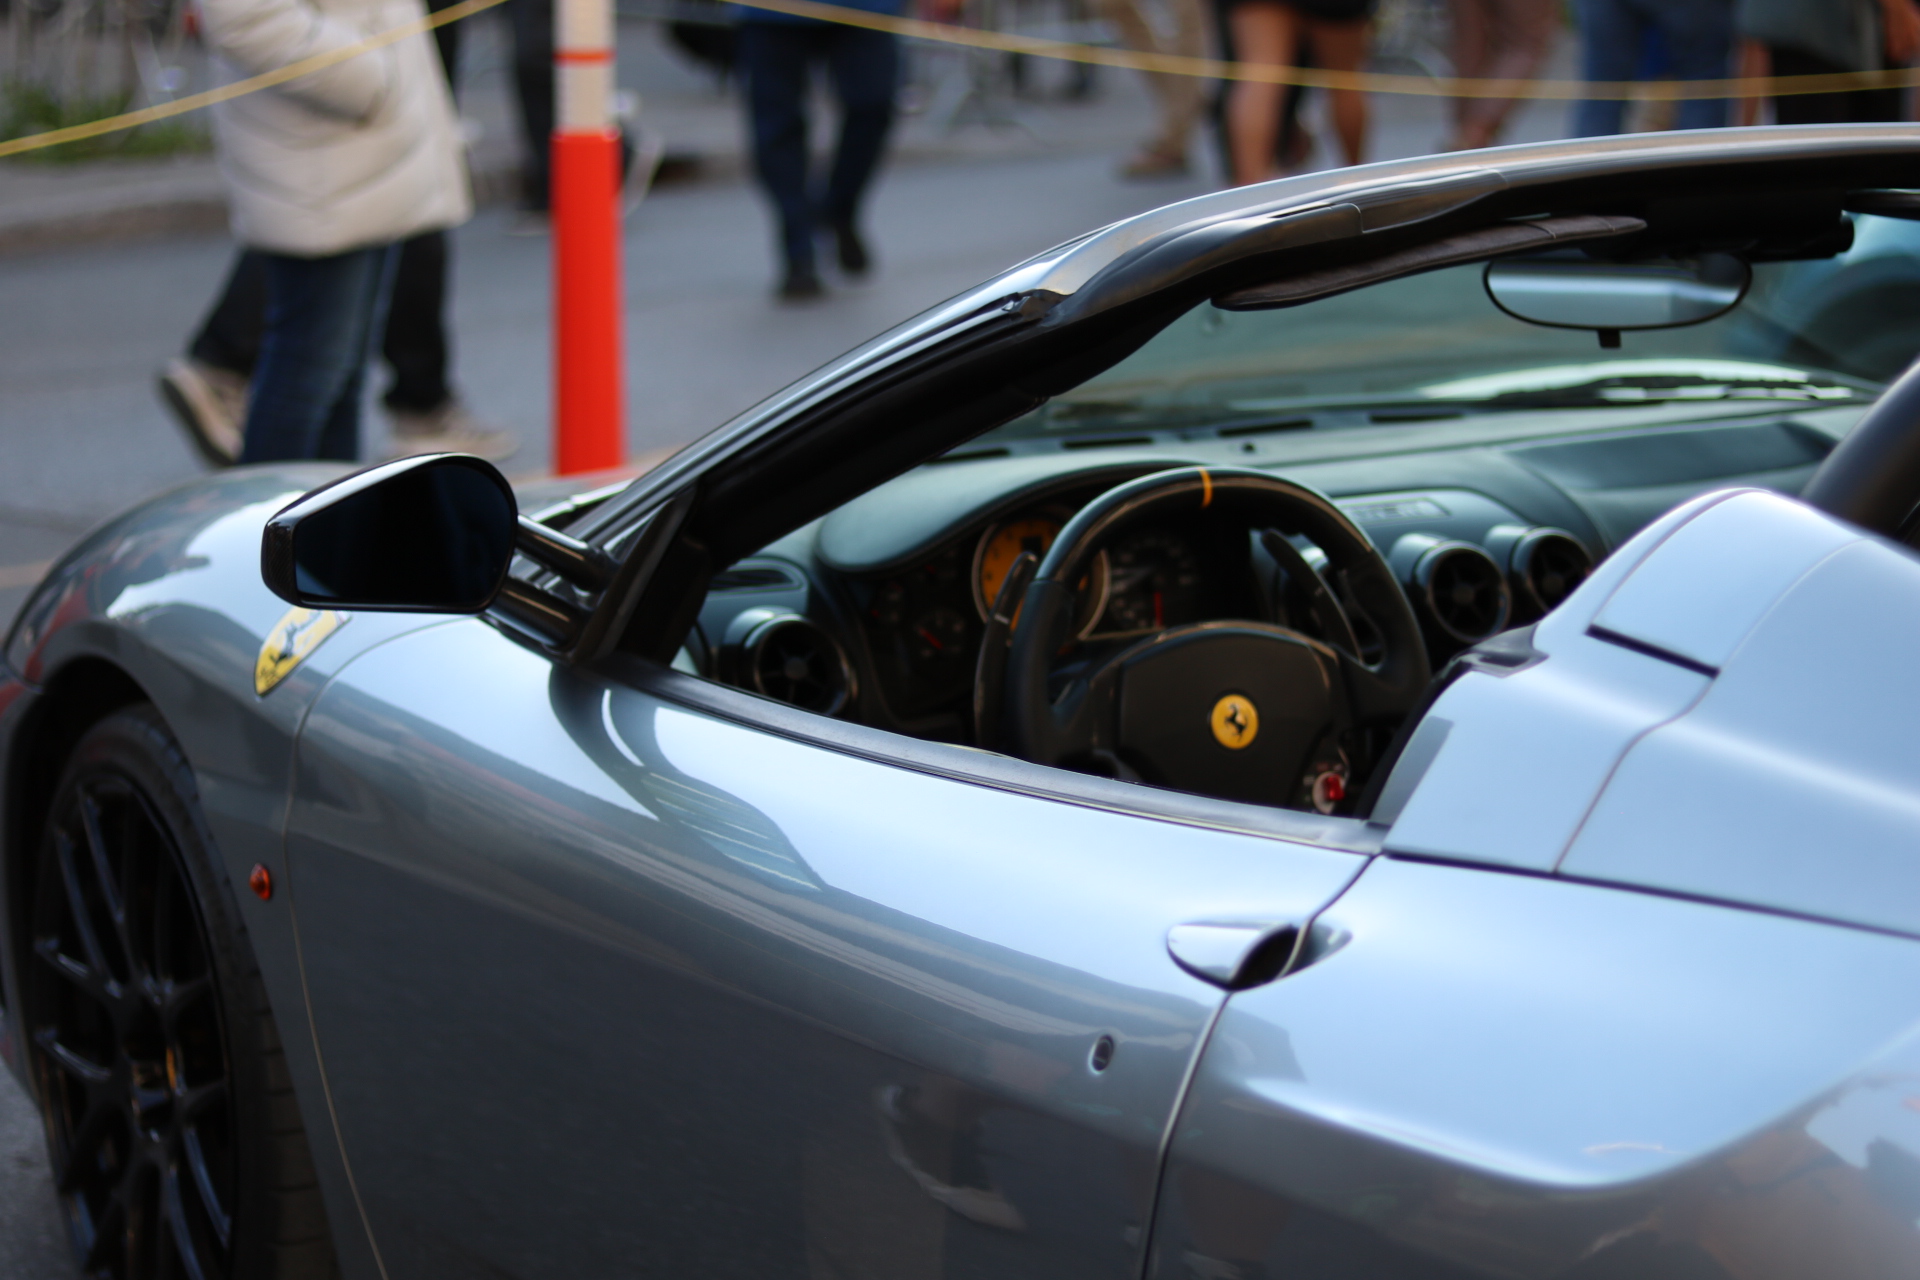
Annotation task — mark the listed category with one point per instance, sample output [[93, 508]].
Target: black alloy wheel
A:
[[153, 1083]]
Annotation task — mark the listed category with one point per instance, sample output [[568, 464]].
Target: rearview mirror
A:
[[431, 534], [1575, 292]]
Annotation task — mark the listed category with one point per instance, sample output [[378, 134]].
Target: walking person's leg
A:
[[229, 338], [1516, 40], [1806, 108], [1699, 37], [1266, 34], [1610, 36], [415, 340], [774, 59], [1751, 61], [422, 409], [1165, 153], [532, 25], [320, 326], [340, 433], [865, 67], [206, 390], [1472, 52], [1342, 46], [1188, 95]]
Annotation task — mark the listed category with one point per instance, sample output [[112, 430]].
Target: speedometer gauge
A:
[[1002, 544]]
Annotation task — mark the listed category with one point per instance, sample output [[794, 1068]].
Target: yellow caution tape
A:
[[1066, 51]]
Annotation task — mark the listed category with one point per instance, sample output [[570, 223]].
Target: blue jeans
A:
[[775, 58], [1698, 35], [322, 315]]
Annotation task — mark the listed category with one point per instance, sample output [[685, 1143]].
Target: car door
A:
[[1649, 1009], [1502, 1075], [630, 973]]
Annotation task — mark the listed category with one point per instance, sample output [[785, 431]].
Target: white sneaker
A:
[[211, 406], [448, 429]]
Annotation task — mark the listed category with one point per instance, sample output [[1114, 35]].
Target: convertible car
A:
[[1356, 727]]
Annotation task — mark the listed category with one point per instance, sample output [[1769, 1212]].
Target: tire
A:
[[176, 1145]]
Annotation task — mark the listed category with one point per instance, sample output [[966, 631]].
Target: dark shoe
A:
[[853, 250], [801, 286]]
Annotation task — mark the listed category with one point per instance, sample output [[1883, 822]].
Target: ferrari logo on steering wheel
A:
[[1235, 721]]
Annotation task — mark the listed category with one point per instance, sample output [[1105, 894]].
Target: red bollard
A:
[[589, 429]]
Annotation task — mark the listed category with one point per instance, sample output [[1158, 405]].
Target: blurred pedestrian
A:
[[1180, 97], [325, 175], [1827, 37], [777, 56], [531, 24], [1497, 40], [207, 389], [1272, 33], [1695, 35], [1293, 142]]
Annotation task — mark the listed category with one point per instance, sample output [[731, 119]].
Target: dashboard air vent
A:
[[783, 656], [1546, 565], [1456, 585]]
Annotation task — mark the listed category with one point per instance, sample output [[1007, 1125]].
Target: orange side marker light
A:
[[260, 880]]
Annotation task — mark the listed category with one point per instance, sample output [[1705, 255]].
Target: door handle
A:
[[1235, 954]]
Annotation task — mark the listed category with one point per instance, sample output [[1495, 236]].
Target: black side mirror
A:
[[431, 534]]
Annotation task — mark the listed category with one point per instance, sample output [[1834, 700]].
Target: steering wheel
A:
[[1872, 478], [1242, 710]]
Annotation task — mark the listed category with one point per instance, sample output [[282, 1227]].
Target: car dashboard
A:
[[875, 613]]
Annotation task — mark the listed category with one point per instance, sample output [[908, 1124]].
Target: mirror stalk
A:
[[552, 621], [582, 565]]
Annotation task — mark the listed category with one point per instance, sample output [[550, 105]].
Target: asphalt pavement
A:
[[83, 330]]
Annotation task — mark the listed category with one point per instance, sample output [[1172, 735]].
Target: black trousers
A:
[[777, 59], [414, 342], [532, 24]]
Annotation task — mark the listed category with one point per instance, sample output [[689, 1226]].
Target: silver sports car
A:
[[1357, 727]]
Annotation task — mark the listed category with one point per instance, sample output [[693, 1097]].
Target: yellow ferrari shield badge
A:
[[1235, 721], [296, 635]]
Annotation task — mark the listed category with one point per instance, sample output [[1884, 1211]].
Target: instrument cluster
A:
[[924, 625]]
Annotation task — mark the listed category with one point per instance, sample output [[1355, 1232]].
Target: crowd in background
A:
[[1618, 41], [344, 183]]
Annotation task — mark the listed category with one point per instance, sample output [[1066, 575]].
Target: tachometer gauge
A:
[[1002, 544], [1154, 582]]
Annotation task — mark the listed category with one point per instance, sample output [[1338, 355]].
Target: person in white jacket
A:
[[325, 175]]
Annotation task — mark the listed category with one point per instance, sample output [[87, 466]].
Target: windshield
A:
[[1829, 331]]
